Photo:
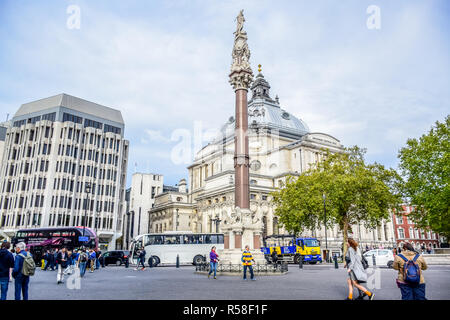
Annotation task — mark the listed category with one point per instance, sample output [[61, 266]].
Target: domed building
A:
[[280, 144]]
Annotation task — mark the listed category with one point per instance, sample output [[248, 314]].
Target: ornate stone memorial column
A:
[[245, 225]]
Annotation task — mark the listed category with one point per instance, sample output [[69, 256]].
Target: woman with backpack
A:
[[410, 278], [356, 271], [82, 260]]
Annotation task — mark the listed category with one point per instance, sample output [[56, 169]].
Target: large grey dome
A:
[[264, 112]]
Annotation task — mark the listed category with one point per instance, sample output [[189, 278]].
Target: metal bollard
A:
[[150, 263], [178, 261], [300, 262], [336, 266], [374, 260]]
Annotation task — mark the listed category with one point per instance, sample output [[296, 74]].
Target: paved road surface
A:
[[312, 282]]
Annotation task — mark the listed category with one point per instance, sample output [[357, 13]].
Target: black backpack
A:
[[83, 257], [364, 262]]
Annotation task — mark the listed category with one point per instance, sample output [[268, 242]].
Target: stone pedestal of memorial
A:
[[241, 228]]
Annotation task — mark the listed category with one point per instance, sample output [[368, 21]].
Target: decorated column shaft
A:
[[241, 77]]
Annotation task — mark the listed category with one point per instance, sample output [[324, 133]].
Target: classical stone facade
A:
[[172, 210], [54, 148]]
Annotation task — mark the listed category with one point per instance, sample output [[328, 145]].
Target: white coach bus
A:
[[163, 248]]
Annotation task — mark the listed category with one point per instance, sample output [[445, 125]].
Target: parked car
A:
[[383, 257], [117, 257]]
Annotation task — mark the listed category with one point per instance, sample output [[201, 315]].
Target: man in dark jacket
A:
[[48, 258], [6, 263], [274, 258], [98, 256], [62, 261], [21, 281], [142, 258]]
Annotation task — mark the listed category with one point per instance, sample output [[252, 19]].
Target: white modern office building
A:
[[144, 189], [64, 159], [3, 128]]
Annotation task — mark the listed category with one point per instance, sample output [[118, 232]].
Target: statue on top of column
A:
[[240, 23], [241, 73]]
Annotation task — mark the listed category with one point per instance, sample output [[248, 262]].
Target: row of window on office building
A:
[[7, 220], [21, 219], [91, 138], [67, 184], [86, 170], [20, 202], [58, 219], [26, 167], [67, 117], [44, 149], [65, 202], [72, 151]]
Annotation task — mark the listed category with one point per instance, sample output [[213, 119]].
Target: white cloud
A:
[[156, 136], [165, 66]]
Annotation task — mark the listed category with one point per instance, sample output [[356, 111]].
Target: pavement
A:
[[313, 282]]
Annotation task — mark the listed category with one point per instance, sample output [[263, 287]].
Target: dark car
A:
[[117, 257]]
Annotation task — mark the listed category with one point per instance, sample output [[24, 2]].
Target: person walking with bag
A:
[[62, 261], [24, 267], [142, 254], [92, 257], [410, 279], [82, 260], [213, 258], [356, 272]]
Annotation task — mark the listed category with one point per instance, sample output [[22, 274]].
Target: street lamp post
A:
[[325, 218], [98, 210], [217, 222], [87, 190], [28, 217], [128, 228]]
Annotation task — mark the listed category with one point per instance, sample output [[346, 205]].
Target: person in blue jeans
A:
[[6, 263], [410, 291], [21, 281], [247, 259], [82, 260], [98, 254], [213, 258]]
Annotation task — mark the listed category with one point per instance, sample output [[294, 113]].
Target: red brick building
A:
[[406, 231]]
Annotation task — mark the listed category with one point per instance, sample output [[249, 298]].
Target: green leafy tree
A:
[[356, 192], [425, 167]]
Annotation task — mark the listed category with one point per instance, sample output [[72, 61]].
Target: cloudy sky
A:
[[165, 65]]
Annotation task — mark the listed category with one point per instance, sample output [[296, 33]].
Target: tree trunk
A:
[[345, 234]]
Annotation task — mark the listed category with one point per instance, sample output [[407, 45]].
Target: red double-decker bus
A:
[[39, 240]]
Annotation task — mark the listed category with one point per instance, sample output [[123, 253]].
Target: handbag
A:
[[364, 262]]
